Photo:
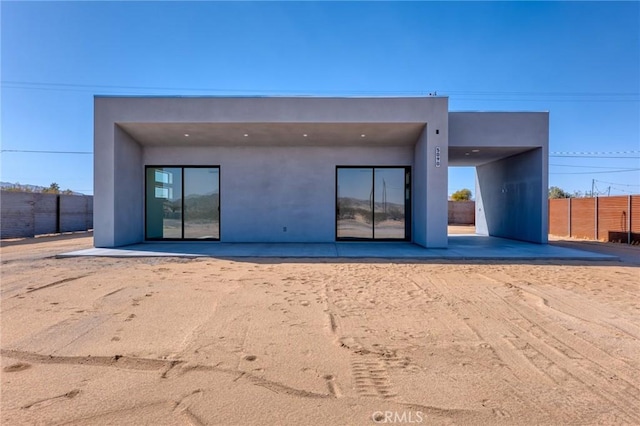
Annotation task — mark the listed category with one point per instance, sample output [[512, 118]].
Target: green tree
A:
[[556, 192], [54, 188], [461, 195]]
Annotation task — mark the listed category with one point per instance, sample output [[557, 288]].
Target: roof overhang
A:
[[239, 134], [471, 156], [477, 138]]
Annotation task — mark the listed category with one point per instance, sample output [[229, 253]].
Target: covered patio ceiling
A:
[[274, 134], [301, 134], [471, 156]]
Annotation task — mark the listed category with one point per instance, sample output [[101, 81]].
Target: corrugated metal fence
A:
[[615, 219], [27, 214]]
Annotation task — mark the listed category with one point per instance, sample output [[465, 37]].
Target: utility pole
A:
[[593, 185], [384, 195]]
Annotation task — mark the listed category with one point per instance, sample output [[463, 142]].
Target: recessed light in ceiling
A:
[[246, 135], [186, 135], [475, 150], [466, 153], [305, 135], [362, 135]]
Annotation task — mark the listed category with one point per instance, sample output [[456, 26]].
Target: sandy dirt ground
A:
[[300, 342]]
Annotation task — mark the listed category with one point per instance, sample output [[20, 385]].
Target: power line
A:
[[547, 100], [476, 92], [621, 184], [584, 167], [93, 87], [592, 156], [622, 190], [578, 96], [608, 191], [46, 152], [593, 152], [589, 173]]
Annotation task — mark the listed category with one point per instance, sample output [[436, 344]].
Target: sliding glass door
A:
[[389, 205], [164, 203], [372, 203], [182, 203], [354, 203], [202, 202]]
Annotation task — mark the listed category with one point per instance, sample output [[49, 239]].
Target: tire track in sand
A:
[[499, 321]]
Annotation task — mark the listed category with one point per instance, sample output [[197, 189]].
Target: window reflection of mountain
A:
[[202, 206], [198, 206], [351, 208]]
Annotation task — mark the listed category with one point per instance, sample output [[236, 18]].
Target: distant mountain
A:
[[365, 204], [32, 188], [29, 188]]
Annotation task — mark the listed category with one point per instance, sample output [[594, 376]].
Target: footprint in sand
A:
[[19, 366], [334, 390], [47, 401], [499, 412]]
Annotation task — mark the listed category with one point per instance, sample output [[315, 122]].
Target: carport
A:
[[510, 154]]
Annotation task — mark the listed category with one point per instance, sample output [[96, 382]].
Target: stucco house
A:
[[310, 169]]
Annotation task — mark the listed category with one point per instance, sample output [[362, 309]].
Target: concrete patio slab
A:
[[461, 247]]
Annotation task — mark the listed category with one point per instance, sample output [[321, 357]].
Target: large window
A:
[[182, 203], [373, 203]]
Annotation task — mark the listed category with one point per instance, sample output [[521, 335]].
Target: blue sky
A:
[[580, 61]]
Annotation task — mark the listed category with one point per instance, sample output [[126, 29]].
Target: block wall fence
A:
[[27, 214], [615, 219], [462, 213]]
